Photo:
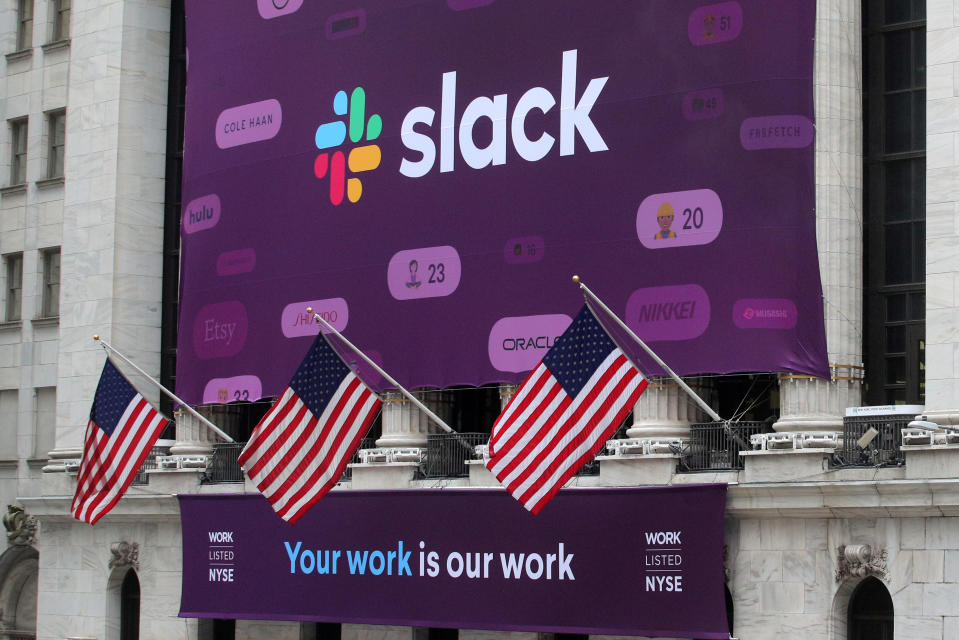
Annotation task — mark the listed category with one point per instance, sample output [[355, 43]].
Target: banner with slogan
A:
[[600, 561], [429, 174]]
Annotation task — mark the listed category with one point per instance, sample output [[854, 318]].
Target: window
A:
[[13, 286], [24, 24], [50, 305], [18, 155], [8, 423], [56, 135], [61, 20], [46, 422], [894, 199]]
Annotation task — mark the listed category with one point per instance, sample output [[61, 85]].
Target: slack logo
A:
[[574, 116], [333, 134]]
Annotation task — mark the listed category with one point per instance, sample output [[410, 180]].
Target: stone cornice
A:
[[840, 499]]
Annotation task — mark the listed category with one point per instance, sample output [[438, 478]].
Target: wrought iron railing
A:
[[447, 453], [881, 450], [714, 448], [150, 462], [223, 466]]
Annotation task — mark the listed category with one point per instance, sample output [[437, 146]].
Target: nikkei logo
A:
[[333, 134]]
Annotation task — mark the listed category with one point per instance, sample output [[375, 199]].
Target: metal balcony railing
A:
[[150, 462], [447, 453], [223, 466], [713, 448], [882, 450]]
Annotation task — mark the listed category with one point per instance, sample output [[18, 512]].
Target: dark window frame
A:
[[19, 144], [24, 24], [56, 142], [50, 283], [13, 282], [61, 20], [894, 236]]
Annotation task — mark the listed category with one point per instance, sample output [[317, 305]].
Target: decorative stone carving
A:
[[125, 554], [860, 561], [21, 528]]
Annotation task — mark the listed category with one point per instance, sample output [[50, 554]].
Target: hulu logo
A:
[[333, 134]]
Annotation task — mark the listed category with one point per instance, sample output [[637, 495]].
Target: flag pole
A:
[[422, 407], [169, 393], [685, 387]]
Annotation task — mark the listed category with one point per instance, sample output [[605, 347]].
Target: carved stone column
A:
[[665, 411], [506, 393], [404, 425], [810, 404], [193, 438]]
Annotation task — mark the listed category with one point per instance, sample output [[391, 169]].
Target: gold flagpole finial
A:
[[576, 279], [96, 337], [309, 309]]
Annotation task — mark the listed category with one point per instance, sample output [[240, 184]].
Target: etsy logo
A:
[[334, 162]]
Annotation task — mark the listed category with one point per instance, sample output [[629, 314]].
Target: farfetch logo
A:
[[333, 134]]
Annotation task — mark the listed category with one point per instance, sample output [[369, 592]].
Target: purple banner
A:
[[601, 561], [433, 170]]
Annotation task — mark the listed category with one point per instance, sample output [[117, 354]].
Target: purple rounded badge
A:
[[237, 388], [776, 132], [429, 272], [703, 104], [295, 321], [765, 313], [231, 263], [524, 250], [270, 9], [679, 219], [202, 213], [248, 123], [518, 343], [219, 330], [679, 312], [715, 23]]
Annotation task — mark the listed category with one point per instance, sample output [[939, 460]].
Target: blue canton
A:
[[578, 352], [318, 376], [112, 398]]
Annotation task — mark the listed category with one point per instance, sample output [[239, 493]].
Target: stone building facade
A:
[[83, 171]]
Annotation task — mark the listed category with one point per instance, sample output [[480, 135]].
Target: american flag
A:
[[123, 427], [299, 449], [564, 412]]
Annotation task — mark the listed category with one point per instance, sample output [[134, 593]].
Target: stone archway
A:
[[19, 567]]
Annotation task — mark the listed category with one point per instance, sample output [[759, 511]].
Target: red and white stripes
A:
[[294, 458], [110, 463], [544, 436]]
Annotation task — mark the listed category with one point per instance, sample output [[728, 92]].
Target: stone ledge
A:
[[13, 189], [23, 54], [49, 182], [55, 45], [862, 499], [11, 325], [785, 464], [51, 321]]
